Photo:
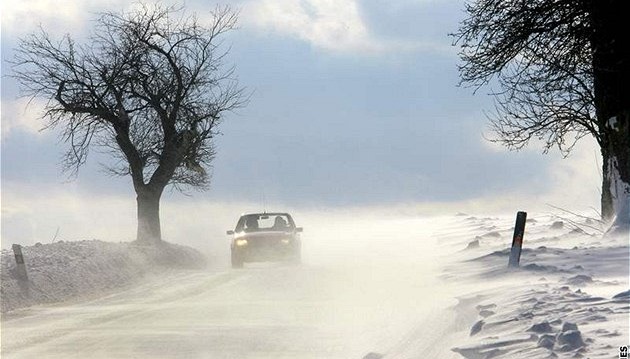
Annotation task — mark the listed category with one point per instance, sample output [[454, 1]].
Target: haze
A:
[[356, 126], [372, 119]]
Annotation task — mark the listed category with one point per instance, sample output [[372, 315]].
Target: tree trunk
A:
[[619, 171], [611, 85], [149, 230], [607, 208]]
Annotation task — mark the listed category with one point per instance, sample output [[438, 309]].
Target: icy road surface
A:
[[373, 289]]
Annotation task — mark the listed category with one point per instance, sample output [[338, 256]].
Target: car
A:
[[260, 237]]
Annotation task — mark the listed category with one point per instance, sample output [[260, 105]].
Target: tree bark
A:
[[619, 172], [149, 230], [607, 208], [611, 84]]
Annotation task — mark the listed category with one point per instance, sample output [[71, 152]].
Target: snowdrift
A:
[[568, 299], [86, 269]]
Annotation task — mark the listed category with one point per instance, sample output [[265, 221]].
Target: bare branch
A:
[[539, 54], [149, 87]]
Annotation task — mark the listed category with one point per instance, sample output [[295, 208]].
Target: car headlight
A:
[[241, 242]]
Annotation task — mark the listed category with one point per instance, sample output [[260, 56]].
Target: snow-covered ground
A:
[[377, 287], [570, 297], [85, 269]]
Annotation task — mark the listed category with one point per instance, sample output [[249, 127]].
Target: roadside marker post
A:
[[19, 261], [517, 240]]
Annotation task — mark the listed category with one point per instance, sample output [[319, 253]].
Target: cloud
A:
[[20, 115], [330, 25], [24, 16], [573, 183]]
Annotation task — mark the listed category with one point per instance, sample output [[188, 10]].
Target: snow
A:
[[612, 122], [621, 201], [568, 299], [85, 269], [408, 287]]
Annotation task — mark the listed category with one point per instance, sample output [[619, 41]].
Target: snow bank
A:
[[620, 191], [85, 269], [568, 299]]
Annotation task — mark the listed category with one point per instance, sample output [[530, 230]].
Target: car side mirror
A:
[[229, 233], [299, 229]]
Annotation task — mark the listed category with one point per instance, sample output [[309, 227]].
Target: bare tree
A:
[[563, 69], [148, 86]]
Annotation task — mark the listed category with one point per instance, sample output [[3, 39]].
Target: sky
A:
[[354, 105]]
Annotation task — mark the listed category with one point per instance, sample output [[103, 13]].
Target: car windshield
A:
[[265, 222]]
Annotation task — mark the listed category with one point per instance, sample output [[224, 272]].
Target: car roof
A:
[[266, 214]]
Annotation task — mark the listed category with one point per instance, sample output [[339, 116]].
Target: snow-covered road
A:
[[372, 292], [403, 288]]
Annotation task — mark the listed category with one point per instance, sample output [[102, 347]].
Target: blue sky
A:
[[354, 103]]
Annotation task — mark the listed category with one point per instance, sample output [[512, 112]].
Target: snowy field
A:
[[569, 299], [86, 269], [435, 287]]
